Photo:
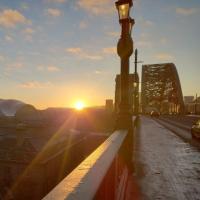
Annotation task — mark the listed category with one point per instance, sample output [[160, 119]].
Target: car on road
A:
[[195, 130], [155, 114]]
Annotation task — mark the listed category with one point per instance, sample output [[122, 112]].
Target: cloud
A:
[[28, 38], [8, 38], [53, 68], [186, 11], [10, 18], [164, 57], [91, 57], [98, 72], [29, 31], [50, 68], [110, 50], [113, 34], [148, 23], [24, 6], [35, 85], [40, 68], [143, 43], [145, 23], [96, 7], [56, 1], [82, 54], [53, 12], [83, 25], [75, 50], [144, 35], [14, 66], [163, 41], [2, 58]]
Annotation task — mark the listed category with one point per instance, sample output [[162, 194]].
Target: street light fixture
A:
[[135, 84], [123, 7]]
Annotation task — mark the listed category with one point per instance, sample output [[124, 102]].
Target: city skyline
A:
[[56, 52]]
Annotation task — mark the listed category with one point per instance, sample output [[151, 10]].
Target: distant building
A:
[[188, 99], [109, 105], [192, 105]]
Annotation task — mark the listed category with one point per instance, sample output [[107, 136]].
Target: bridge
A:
[[161, 89], [143, 157]]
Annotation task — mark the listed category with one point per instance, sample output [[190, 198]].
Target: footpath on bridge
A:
[[166, 166]]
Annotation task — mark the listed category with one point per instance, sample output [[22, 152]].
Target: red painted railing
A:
[[102, 175]]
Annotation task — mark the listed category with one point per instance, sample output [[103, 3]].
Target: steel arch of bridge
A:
[[161, 89]]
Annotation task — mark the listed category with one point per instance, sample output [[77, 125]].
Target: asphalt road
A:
[[184, 120], [167, 166]]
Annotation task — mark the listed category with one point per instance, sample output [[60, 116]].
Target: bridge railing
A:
[[102, 175]]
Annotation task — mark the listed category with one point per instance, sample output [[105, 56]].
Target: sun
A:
[[79, 105]]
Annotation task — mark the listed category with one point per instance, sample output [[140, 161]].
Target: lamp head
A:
[[134, 84], [123, 7]]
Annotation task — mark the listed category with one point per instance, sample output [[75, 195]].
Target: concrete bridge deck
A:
[[167, 167]]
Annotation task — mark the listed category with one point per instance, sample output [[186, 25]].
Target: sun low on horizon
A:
[[79, 105]]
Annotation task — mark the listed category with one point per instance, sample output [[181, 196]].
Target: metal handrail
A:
[[84, 181]]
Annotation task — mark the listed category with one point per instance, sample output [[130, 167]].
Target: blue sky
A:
[[55, 52]]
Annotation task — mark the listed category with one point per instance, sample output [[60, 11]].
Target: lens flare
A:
[[79, 105]]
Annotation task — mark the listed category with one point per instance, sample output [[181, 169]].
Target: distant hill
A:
[[1, 114], [9, 107]]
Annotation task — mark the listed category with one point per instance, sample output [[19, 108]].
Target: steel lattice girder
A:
[[160, 83]]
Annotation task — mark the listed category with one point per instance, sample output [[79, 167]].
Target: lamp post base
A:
[[124, 121]]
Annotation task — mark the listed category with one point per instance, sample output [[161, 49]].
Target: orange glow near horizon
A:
[[79, 105]]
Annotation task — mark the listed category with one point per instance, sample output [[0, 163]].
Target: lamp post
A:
[[124, 50], [136, 94], [136, 85], [195, 108]]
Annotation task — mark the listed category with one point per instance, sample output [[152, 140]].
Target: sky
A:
[[55, 52]]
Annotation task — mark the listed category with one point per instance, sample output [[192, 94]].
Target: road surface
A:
[[185, 120], [167, 166]]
